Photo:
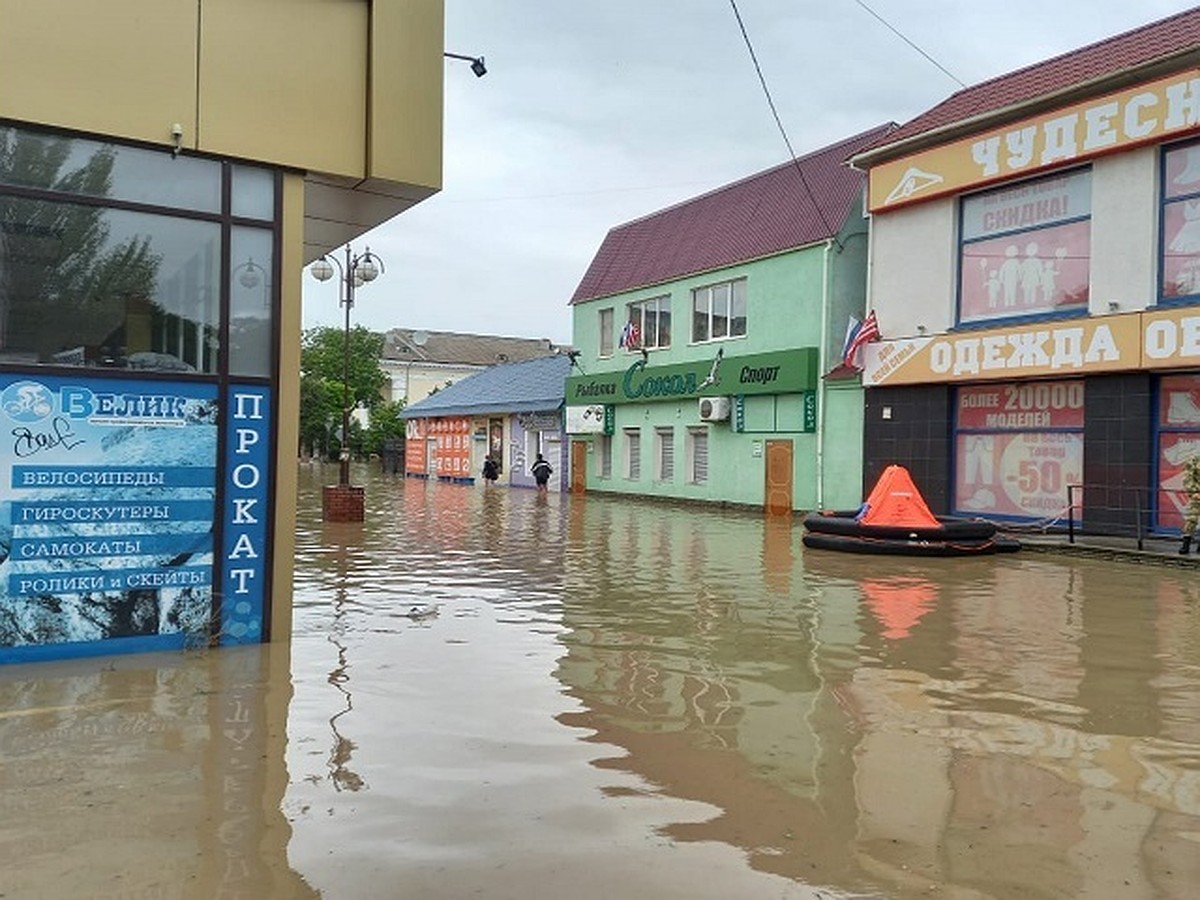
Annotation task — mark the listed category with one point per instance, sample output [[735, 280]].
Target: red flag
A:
[[867, 332]]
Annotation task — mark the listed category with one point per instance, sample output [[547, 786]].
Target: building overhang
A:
[[338, 209]]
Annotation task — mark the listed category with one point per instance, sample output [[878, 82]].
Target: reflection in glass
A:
[[116, 172], [87, 286], [253, 193], [250, 291]]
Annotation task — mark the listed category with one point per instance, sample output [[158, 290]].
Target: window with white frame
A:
[[647, 324], [697, 455], [664, 454], [1026, 249], [604, 451], [606, 332], [633, 453], [719, 311]]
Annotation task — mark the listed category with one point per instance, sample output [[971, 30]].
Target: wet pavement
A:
[[497, 694]]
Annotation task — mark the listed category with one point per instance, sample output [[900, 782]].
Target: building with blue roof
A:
[[511, 412]]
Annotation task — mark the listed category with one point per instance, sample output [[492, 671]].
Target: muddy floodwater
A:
[[492, 693]]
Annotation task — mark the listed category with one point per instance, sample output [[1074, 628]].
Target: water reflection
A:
[[982, 723], [148, 776], [343, 748], [627, 699]]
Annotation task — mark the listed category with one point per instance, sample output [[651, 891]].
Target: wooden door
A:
[[578, 466], [779, 478]]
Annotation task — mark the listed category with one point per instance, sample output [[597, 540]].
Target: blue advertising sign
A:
[[106, 517], [244, 552]]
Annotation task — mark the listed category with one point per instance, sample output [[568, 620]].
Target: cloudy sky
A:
[[597, 112]]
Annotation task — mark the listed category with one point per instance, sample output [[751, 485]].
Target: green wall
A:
[[785, 294]]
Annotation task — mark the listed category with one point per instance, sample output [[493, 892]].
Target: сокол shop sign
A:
[[780, 372]]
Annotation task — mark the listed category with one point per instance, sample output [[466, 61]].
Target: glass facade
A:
[[112, 257], [138, 292]]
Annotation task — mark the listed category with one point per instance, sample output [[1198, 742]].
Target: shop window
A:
[[1026, 249], [719, 311], [664, 454], [1018, 446], [250, 302], [647, 325], [697, 455], [606, 332], [110, 288], [1178, 440], [112, 172], [111, 257], [1180, 262], [633, 454]]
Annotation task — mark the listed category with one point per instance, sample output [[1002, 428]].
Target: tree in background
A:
[[322, 388], [386, 425], [320, 416]]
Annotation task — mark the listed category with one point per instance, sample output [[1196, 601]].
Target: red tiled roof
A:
[[788, 206], [1109, 57]]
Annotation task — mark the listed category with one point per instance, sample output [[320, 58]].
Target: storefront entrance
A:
[[778, 492]]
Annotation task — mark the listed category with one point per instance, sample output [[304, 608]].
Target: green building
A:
[[709, 342]]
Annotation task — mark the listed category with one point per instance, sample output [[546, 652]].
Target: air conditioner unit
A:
[[714, 409]]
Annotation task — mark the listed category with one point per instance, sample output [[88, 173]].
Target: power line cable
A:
[[894, 30], [779, 123]]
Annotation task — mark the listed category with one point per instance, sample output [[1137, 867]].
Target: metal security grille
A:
[[666, 453], [699, 439]]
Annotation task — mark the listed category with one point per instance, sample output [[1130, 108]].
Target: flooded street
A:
[[492, 693]]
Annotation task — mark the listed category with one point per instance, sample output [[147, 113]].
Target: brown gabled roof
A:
[[1157, 42], [785, 207], [453, 348]]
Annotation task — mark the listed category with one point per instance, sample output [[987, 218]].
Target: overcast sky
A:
[[597, 112]]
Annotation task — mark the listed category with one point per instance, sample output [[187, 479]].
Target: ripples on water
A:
[[639, 699], [504, 695]]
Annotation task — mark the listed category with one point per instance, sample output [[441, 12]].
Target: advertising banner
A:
[[415, 450], [1178, 440], [107, 517], [1031, 405], [1174, 449], [1021, 474], [1145, 113], [1025, 274], [246, 553], [1095, 344], [451, 446], [1170, 338], [586, 419]]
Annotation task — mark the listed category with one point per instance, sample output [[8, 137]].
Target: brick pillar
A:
[[343, 503]]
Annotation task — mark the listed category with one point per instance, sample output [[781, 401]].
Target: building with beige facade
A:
[[166, 170], [1035, 270]]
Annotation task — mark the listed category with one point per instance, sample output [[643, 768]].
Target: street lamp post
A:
[[357, 271]]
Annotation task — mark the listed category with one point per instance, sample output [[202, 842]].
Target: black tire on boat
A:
[[950, 529], [898, 547]]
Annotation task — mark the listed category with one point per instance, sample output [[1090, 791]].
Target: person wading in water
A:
[[541, 473]]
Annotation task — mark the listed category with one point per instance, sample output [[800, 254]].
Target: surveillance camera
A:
[[176, 130]]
